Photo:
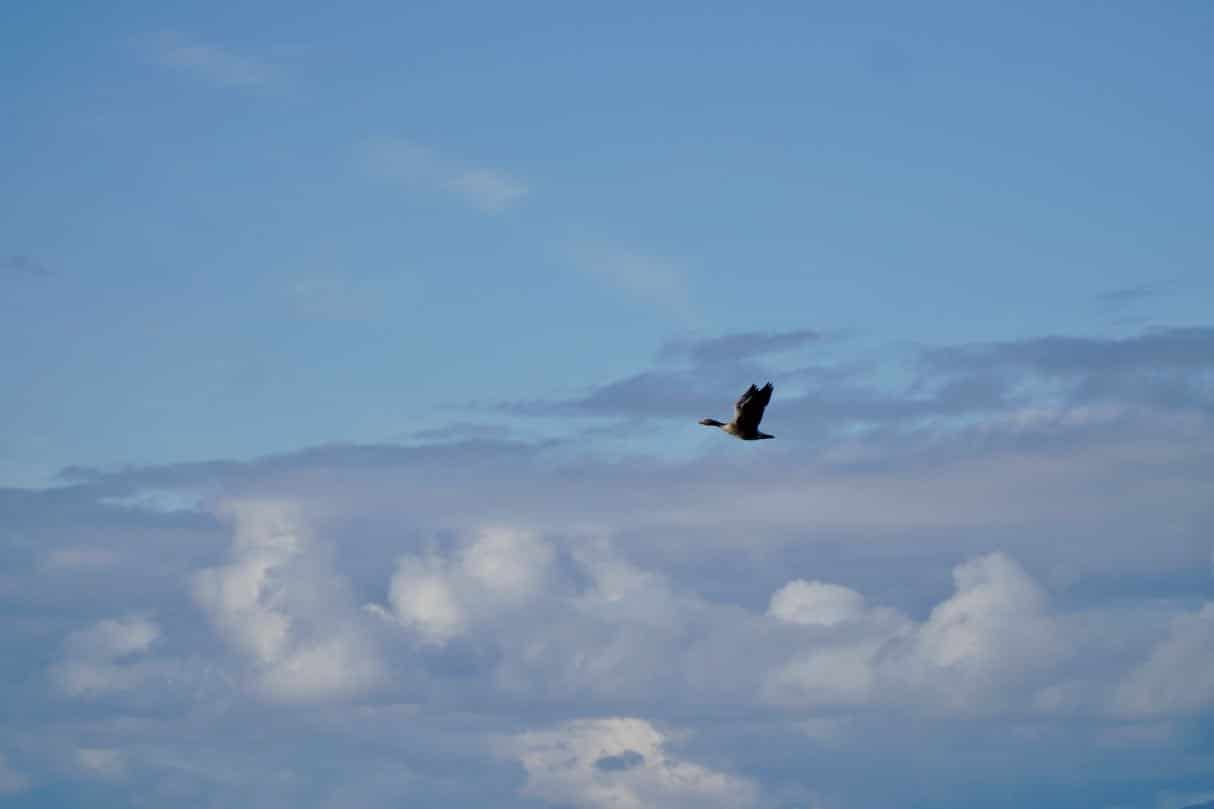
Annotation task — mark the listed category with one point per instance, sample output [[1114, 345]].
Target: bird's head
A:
[[711, 423]]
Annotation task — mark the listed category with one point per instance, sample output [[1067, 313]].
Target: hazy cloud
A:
[[1170, 799], [71, 558], [105, 657], [11, 781], [101, 762], [489, 190]]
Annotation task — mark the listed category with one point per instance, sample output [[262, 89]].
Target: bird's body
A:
[[747, 414]]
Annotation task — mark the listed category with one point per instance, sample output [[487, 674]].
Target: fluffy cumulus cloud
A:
[[620, 763], [836, 655], [438, 598], [994, 631], [816, 603], [1178, 677], [280, 605], [1006, 566], [975, 651]]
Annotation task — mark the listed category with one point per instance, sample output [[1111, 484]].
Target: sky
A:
[[353, 360]]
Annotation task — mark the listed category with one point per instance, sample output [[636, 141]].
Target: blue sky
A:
[[234, 262], [437, 295]]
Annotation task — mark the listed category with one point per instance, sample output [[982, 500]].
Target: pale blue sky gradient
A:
[[232, 270]]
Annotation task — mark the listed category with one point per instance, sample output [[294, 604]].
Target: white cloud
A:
[[724, 612], [424, 599], [420, 167], [998, 617], [1178, 677], [816, 603], [604, 628], [509, 563], [211, 63], [281, 605], [11, 781], [440, 598], [837, 674], [611, 630], [101, 762], [620, 592], [98, 659], [620, 763], [836, 661], [976, 650]]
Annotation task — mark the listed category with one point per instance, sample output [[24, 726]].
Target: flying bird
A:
[[747, 414]]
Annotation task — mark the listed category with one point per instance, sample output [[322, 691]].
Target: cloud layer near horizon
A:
[[1020, 578]]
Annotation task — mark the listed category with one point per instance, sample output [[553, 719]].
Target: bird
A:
[[747, 414]]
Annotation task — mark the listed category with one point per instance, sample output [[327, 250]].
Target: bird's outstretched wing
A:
[[748, 412]]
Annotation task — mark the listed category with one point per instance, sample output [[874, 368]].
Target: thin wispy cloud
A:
[[737, 347], [1191, 800], [1137, 293], [489, 190], [422, 168], [338, 296], [212, 63], [1166, 370]]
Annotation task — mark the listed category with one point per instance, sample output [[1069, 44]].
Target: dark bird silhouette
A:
[[747, 414]]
